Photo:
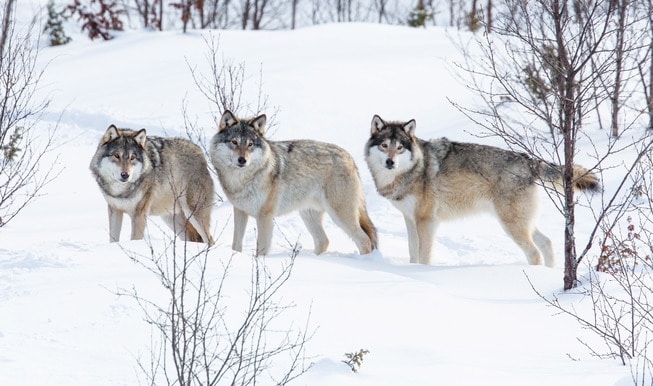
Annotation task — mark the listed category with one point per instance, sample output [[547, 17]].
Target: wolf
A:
[[265, 179], [437, 180], [145, 175]]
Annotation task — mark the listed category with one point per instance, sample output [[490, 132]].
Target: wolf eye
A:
[[400, 147], [234, 142], [132, 157], [250, 144], [384, 145], [116, 155]]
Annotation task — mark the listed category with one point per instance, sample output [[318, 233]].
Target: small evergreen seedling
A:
[[355, 359], [10, 148], [54, 25], [419, 15]]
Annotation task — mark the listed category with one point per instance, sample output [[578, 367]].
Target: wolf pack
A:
[[428, 181]]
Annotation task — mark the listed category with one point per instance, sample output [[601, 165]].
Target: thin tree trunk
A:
[[619, 53], [650, 84], [6, 21], [381, 10], [294, 14], [255, 16], [160, 15], [488, 29], [245, 16], [567, 113]]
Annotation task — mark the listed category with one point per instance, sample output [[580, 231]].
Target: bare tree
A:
[[186, 8], [24, 144], [216, 14], [202, 336], [245, 10], [645, 65], [456, 13], [150, 13], [620, 287], [98, 17], [293, 14], [540, 71], [259, 12], [7, 25], [488, 17], [381, 9]]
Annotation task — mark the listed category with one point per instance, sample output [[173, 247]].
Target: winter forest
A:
[[568, 82]]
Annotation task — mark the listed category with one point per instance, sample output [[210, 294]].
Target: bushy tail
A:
[[368, 227], [584, 179]]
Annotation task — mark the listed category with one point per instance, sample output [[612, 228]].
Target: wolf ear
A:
[[377, 124], [111, 134], [228, 119], [259, 123], [140, 138], [409, 127]]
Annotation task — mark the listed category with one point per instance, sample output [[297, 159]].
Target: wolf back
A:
[[437, 180], [265, 179], [145, 175]]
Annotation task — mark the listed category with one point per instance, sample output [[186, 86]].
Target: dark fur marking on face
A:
[[240, 130], [393, 132], [291, 145]]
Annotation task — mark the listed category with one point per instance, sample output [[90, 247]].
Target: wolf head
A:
[[391, 145], [121, 155], [238, 143]]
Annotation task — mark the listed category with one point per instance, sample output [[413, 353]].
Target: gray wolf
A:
[[436, 180], [145, 175], [265, 179]]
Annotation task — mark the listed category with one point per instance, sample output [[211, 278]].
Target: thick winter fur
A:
[[265, 179], [437, 180], [141, 175]]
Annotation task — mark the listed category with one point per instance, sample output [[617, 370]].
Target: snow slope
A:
[[471, 318]]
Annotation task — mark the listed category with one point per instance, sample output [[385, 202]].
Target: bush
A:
[[99, 17], [355, 359]]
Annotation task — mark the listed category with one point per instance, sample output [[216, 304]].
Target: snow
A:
[[470, 318]]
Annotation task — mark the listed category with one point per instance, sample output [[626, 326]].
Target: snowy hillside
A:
[[470, 318]]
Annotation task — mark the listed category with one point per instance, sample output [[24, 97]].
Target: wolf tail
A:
[[584, 179], [368, 227]]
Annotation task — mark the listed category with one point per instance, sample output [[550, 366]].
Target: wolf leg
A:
[[240, 224], [115, 224], [139, 220], [313, 221], [347, 219], [425, 230], [183, 228], [516, 214], [544, 245], [413, 240], [202, 222], [198, 228], [521, 235], [264, 239]]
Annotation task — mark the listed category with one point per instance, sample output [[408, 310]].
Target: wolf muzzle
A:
[[389, 163], [242, 161], [124, 176]]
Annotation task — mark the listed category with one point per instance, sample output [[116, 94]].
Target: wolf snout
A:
[[389, 163], [242, 161], [124, 175]]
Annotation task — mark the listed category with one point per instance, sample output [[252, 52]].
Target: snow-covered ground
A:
[[470, 318]]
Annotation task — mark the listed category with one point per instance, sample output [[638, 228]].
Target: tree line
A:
[[272, 14]]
